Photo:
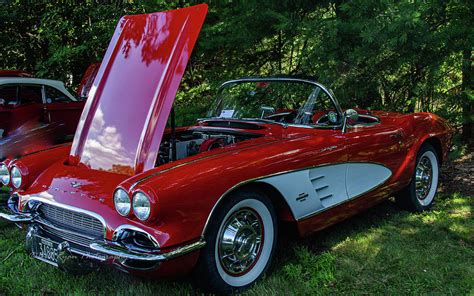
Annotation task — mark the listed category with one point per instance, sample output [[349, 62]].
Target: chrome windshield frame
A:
[[294, 80]]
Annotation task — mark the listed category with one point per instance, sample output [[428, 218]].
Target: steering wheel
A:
[[329, 118]]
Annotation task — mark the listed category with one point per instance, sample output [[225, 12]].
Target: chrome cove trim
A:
[[116, 250], [287, 172]]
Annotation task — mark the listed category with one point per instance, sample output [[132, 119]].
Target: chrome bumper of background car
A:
[[102, 250], [15, 217]]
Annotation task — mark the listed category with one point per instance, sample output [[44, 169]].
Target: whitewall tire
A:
[[420, 193], [241, 239]]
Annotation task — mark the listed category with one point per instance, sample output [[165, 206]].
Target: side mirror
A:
[[351, 115], [266, 110]]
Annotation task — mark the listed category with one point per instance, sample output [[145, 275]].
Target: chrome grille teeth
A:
[[78, 222]]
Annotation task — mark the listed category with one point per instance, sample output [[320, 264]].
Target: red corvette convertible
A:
[[209, 198]]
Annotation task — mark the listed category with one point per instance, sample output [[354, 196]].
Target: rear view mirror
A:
[[350, 115]]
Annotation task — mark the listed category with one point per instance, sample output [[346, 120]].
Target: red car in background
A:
[[87, 80], [38, 113], [14, 73], [209, 198]]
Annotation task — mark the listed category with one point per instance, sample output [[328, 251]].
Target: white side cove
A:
[[313, 190]]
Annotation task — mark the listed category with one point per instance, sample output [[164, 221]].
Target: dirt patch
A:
[[458, 175]]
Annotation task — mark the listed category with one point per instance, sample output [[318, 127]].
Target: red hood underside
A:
[[125, 116]]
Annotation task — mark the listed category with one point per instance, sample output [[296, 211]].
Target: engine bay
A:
[[195, 141]]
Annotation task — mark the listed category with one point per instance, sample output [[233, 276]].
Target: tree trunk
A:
[[467, 101]]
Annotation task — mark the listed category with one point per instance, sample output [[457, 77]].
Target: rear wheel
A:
[[419, 194], [241, 239]]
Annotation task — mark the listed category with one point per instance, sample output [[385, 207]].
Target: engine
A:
[[190, 143]]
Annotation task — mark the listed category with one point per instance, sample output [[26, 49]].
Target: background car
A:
[[38, 113], [35, 114]]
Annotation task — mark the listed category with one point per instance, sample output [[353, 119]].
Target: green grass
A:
[[381, 251]]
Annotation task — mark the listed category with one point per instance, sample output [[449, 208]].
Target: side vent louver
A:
[[323, 190]]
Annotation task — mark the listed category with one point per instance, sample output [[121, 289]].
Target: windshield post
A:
[[173, 135]]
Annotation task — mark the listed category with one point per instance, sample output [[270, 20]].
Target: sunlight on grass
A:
[[310, 270], [382, 251]]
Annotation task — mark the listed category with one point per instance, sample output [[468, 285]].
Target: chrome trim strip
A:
[[114, 249], [282, 173]]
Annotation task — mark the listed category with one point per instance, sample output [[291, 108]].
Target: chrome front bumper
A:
[[102, 250], [116, 250]]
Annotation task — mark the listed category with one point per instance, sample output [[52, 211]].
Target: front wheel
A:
[[241, 239], [420, 193]]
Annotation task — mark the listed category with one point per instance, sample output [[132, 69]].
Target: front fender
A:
[[428, 127], [33, 164]]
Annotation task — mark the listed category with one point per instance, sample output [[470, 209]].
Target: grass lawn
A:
[[382, 251]]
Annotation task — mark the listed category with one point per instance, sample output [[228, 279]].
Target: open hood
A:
[[122, 124]]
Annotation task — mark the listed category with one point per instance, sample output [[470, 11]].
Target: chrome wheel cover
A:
[[423, 178], [240, 241]]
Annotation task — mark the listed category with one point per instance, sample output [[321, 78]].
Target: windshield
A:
[[284, 101]]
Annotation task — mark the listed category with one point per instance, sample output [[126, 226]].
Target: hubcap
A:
[[240, 241], [424, 177]]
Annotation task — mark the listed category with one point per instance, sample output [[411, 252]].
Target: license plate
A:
[[45, 250]]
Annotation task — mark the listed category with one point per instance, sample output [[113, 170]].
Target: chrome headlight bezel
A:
[[16, 177], [122, 202], [141, 205], [4, 174]]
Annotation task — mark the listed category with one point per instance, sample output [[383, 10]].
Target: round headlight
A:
[[16, 177], [4, 174], [141, 206], [122, 202]]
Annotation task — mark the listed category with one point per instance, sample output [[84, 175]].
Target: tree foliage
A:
[[401, 55]]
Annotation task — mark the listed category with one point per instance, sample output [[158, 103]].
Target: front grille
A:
[[68, 236], [80, 223]]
